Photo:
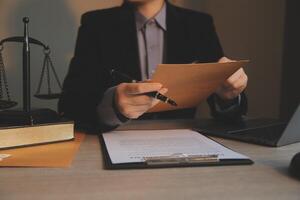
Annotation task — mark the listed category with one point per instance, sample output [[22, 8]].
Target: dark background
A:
[[264, 31]]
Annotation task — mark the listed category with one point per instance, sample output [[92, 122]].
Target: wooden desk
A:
[[86, 179]]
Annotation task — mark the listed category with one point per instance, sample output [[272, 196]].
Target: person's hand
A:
[[131, 101], [234, 85]]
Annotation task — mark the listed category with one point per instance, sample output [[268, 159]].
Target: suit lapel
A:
[[129, 59], [176, 37]]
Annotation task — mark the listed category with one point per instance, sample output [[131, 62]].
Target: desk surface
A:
[[86, 179]]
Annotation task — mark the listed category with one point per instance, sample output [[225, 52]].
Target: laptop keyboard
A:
[[264, 135], [265, 132]]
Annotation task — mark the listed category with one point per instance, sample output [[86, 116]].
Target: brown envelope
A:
[[190, 84], [48, 155]]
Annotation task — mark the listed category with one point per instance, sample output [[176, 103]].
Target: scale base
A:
[[23, 118]]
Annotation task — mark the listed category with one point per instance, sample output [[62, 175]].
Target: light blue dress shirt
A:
[[150, 36]]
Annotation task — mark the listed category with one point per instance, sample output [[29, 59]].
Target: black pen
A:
[[156, 95]]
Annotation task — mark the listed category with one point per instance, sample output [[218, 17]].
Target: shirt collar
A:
[[160, 19]]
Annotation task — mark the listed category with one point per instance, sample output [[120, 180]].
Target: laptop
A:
[[267, 132]]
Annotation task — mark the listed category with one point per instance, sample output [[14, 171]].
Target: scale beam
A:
[[20, 39]]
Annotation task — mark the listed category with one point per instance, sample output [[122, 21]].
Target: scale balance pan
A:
[[4, 104], [47, 96]]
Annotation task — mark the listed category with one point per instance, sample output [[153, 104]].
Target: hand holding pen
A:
[[133, 99]]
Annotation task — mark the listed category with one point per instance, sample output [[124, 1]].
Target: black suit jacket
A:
[[108, 39]]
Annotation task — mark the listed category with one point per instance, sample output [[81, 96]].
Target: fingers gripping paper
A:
[[190, 84]]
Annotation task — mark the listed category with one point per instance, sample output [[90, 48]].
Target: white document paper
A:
[[135, 146]]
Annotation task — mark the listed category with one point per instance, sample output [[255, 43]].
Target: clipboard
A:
[[179, 160]]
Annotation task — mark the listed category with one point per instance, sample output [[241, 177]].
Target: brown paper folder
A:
[[47, 155], [190, 84]]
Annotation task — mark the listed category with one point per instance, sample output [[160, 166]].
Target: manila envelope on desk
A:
[[58, 154], [190, 84]]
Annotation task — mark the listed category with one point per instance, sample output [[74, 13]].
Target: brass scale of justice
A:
[[27, 115]]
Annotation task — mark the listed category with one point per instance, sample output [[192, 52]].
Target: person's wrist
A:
[[225, 103], [119, 115]]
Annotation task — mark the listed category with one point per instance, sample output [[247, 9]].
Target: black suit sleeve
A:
[[214, 49], [234, 114], [83, 87], [215, 53]]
